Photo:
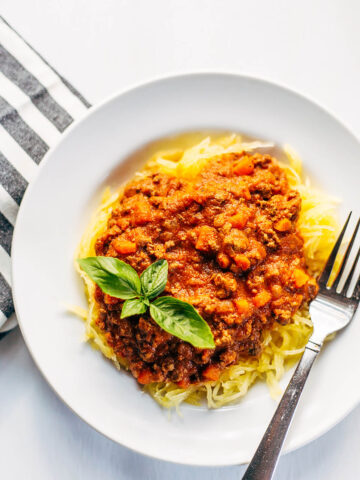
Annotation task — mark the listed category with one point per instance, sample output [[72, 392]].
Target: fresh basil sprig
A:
[[182, 320], [154, 278], [133, 306], [114, 277], [120, 280]]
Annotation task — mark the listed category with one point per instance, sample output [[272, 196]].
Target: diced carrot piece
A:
[[141, 213], [212, 373], [223, 260], [240, 219], [262, 298], [242, 261], [300, 277], [245, 166], [207, 239], [124, 246], [283, 225], [242, 306], [145, 376], [260, 251]]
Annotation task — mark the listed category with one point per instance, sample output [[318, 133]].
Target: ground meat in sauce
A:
[[234, 252]]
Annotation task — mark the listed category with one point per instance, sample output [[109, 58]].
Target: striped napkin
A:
[[36, 106]]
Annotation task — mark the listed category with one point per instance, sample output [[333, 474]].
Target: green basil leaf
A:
[[133, 306], [154, 278], [182, 320], [114, 277]]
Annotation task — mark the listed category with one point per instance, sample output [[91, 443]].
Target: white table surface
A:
[[312, 46]]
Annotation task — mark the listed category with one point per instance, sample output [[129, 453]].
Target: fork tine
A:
[[356, 294], [324, 277], [351, 274], [346, 257]]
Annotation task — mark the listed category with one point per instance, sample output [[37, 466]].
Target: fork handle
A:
[[264, 461]]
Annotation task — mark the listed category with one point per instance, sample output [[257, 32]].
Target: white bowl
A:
[[57, 207]]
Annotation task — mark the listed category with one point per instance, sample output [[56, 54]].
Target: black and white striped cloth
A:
[[36, 106]]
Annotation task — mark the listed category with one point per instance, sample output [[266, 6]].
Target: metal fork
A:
[[330, 311]]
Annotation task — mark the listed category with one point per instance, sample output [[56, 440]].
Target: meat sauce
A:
[[231, 241]]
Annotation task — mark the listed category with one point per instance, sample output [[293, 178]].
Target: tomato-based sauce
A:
[[231, 241]]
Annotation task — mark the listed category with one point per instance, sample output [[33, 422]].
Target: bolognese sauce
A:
[[234, 252]]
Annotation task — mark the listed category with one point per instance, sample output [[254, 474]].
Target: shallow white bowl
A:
[[57, 207]]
